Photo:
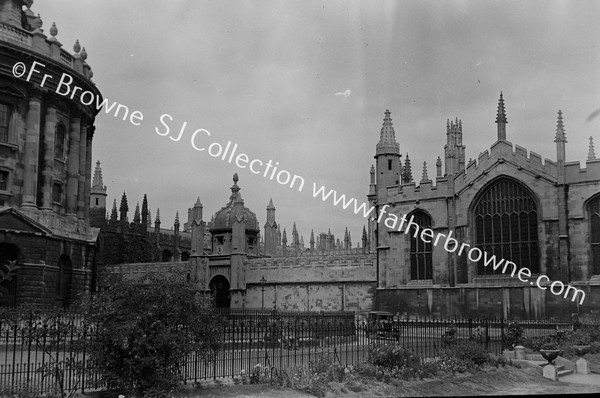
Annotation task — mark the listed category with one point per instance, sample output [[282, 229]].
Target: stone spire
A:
[[424, 177], [438, 167], [295, 237], [364, 239], [346, 238], [145, 212], [124, 208], [157, 224], [177, 224], [387, 138], [501, 119], [114, 215], [97, 181], [560, 129], [136, 214], [312, 240], [561, 151], [591, 152], [407, 171]]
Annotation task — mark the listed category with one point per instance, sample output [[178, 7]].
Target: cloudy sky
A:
[[269, 76]]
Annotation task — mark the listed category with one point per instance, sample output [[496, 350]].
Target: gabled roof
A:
[[13, 220]]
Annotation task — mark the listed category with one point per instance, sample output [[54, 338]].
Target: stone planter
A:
[[550, 355], [581, 350]]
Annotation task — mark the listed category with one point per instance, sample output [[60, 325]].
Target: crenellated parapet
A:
[[425, 190], [331, 259], [504, 152], [574, 173]]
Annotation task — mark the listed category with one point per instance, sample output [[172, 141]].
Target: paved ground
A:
[[592, 379]]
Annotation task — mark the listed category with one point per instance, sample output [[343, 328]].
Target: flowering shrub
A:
[[468, 351], [310, 382], [421, 371], [514, 334], [256, 374], [145, 330], [451, 365], [392, 356]]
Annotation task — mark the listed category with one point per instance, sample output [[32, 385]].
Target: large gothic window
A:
[[594, 211], [506, 225], [420, 252]]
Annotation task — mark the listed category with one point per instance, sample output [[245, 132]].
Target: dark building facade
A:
[[45, 162]]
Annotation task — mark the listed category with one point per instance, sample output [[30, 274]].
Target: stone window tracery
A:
[[506, 225], [421, 252], [594, 212]]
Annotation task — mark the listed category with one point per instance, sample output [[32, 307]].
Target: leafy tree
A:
[[7, 272], [147, 328]]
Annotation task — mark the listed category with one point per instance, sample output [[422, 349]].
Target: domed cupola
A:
[[231, 219]]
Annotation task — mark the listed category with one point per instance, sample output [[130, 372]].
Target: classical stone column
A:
[[47, 171], [32, 144], [73, 167], [82, 171], [88, 172]]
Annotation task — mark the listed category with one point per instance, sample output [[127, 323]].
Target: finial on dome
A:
[[53, 30], [235, 178], [83, 54], [77, 46]]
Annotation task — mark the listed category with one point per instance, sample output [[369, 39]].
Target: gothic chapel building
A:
[[544, 215]]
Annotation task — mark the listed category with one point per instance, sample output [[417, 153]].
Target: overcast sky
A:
[[268, 76]]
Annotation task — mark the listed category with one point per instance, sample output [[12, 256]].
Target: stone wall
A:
[[37, 277], [515, 302]]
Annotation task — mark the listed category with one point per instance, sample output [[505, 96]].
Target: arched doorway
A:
[[219, 290], [185, 256], [166, 256], [9, 257], [64, 280]]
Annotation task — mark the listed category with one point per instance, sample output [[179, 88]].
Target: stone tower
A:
[[271, 231], [197, 226], [387, 158], [454, 149]]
